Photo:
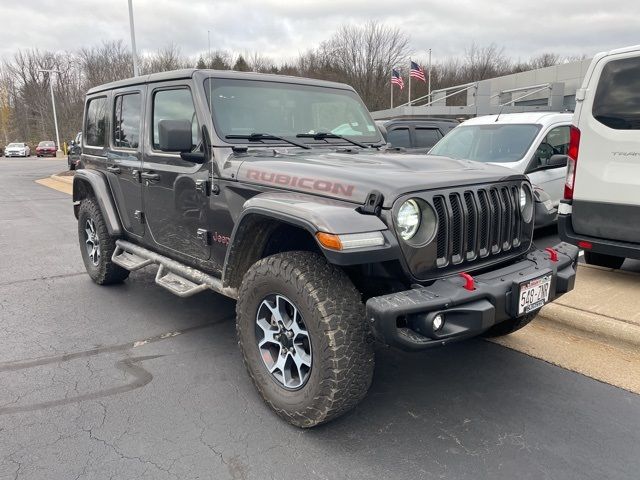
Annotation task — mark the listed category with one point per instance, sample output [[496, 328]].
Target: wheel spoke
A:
[[280, 364], [300, 357]]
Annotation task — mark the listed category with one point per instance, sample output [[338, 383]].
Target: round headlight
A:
[[526, 203], [408, 219]]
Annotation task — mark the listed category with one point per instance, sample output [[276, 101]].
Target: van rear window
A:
[[617, 100]]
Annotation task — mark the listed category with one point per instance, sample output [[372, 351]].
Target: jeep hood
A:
[[352, 176]]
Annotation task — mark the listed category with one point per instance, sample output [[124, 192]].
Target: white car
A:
[[17, 149], [534, 143], [601, 210]]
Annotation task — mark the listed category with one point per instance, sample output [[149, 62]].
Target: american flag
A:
[[417, 72], [396, 79]]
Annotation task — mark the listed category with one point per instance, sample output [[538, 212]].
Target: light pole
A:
[[134, 52], [53, 104]]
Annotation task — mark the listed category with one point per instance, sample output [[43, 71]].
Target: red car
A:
[[46, 148]]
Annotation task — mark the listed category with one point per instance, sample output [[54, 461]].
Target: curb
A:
[[58, 178], [597, 325]]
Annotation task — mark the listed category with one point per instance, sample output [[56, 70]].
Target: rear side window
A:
[[617, 100], [427, 137], [126, 125], [96, 126], [174, 105], [399, 138]]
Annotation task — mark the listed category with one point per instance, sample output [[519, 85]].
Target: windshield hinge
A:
[[373, 204]]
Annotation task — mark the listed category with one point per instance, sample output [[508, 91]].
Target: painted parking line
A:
[[56, 185]]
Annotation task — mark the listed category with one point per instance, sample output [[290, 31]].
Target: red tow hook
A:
[[553, 255], [469, 282]]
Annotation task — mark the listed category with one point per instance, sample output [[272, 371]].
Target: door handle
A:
[[115, 170], [152, 177]]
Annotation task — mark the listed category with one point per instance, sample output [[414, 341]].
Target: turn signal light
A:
[[329, 240]]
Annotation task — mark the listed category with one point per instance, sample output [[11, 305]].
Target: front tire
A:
[[603, 260], [97, 246], [509, 326], [311, 377]]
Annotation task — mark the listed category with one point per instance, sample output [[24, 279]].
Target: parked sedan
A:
[[17, 149], [46, 148], [534, 143]]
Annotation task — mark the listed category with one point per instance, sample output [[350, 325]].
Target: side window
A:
[[96, 123], [399, 137], [126, 121], [427, 137], [555, 142], [617, 100], [174, 105]]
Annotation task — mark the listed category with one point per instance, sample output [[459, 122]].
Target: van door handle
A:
[[115, 170], [152, 177]]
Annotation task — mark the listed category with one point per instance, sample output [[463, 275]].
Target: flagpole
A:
[[391, 83], [429, 91], [409, 82]]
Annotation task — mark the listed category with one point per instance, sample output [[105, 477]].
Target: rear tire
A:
[[603, 260], [97, 246], [339, 348], [510, 326]]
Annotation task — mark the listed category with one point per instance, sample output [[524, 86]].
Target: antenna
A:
[[499, 113]]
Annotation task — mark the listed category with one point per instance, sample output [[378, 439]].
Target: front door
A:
[[551, 180], [124, 158], [174, 190]]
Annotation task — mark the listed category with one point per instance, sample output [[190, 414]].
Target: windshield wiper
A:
[[259, 137], [325, 135]]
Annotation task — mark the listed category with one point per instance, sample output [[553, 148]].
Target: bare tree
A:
[[364, 56], [164, 59]]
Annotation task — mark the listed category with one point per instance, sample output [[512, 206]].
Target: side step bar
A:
[[176, 277]]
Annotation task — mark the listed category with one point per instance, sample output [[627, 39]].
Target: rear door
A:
[[606, 199], [124, 158], [174, 190]]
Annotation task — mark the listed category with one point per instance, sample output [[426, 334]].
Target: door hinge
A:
[[139, 215], [202, 186], [204, 236]]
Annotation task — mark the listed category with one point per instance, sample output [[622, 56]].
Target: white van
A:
[[601, 208]]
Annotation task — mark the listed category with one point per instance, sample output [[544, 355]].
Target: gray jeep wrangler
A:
[[279, 192]]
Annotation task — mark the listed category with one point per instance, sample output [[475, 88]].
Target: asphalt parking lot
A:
[[132, 382]]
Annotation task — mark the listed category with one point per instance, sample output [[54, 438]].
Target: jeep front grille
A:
[[477, 223]]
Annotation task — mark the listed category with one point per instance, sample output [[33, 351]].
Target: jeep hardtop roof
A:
[[190, 72]]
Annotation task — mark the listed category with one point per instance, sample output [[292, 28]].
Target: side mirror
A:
[[557, 160], [383, 132], [174, 135]]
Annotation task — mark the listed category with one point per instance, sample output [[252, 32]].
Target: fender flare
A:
[[96, 182], [307, 212]]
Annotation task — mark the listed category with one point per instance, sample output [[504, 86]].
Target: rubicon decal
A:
[[306, 183]]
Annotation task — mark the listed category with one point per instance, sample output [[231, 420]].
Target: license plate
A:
[[533, 294]]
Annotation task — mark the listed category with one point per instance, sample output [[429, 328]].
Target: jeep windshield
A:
[[243, 107], [495, 143]]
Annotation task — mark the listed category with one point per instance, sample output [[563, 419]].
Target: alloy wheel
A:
[[283, 341]]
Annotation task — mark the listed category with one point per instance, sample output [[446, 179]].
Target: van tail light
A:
[[572, 162]]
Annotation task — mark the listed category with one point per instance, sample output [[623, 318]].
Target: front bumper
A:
[[404, 319]]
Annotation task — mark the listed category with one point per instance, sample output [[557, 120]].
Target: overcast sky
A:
[[281, 29]]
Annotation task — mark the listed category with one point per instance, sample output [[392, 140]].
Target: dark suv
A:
[[416, 135], [280, 192]]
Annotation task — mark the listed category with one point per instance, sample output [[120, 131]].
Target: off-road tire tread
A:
[[328, 290], [509, 326], [107, 272]]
